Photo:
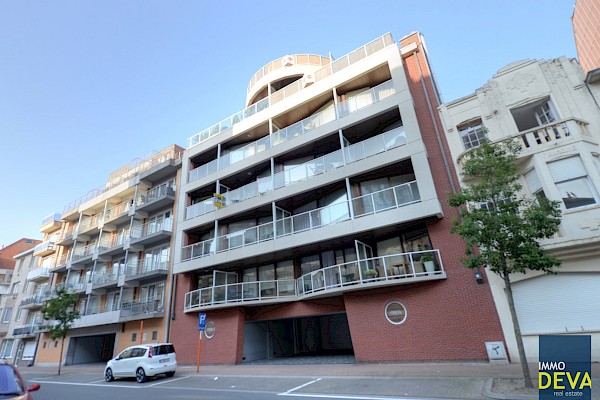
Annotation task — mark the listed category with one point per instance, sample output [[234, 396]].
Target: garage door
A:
[[29, 350], [558, 303]]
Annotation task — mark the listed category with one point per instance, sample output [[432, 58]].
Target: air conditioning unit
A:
[[287, 61], [308, 79]]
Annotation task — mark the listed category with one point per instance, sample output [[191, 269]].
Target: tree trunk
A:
[[62, 344], [520, 347]]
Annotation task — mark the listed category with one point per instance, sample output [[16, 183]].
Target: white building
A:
[[548, 109]]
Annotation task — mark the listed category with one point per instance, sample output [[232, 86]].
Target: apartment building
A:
[[547, 107], [113, 248], [315, 221], [19, 325]]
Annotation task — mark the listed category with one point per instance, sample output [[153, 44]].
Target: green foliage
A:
[[507, 229], [59, 310]]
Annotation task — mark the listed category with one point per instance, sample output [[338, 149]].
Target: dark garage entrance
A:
[[90, 349], [323, 335]]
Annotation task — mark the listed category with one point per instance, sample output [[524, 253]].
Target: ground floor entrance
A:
[[322, 335], [90, 349]]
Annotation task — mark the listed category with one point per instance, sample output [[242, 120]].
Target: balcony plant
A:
[[427, 261], [371, 273]]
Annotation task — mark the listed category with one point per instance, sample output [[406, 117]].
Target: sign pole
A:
[[199, 349]]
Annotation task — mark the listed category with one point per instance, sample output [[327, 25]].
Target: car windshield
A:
[[9, 381]]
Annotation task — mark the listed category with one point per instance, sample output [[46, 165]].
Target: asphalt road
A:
[[91, 386]]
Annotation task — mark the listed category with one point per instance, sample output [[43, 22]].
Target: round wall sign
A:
[[210, 329], [395, 312]]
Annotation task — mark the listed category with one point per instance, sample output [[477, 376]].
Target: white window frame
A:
[[575, 171], [472, 135], [7, 315]]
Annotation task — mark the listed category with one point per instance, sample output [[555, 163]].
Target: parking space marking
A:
[[301, 386], [335, 396], [84, 384], [168, 381]]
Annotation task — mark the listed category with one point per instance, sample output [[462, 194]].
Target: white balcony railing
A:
[[390, 269], [152, 227], [38, 273], [147, 265]]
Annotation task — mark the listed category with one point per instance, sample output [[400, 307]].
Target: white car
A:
[[142, 361]]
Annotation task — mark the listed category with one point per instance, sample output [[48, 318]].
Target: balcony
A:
[[118, 213], [112, 245], [335, 66], [60, 265], [147, 269], [373, 203], [391, 270], [83, 254], [359, 151], [156, 199], [104, 279], [96, 316], [89, 224], [356, 103], [45, 248], [67, 236], [141, 310], [51, 223], [29, 329], [38, 275], [34, 301], [152, 232]]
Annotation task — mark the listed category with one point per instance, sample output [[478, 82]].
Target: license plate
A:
[[164, 360]]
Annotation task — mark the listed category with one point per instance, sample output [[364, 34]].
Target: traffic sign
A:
[[201, 321]]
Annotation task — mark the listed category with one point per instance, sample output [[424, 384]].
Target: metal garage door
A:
[[558, 303]]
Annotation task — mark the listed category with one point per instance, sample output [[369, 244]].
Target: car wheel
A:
[[140, 375], [108, 375], [170, 374]]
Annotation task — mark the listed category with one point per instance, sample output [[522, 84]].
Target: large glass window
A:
[[7, 315], [6, 349], [570, 177]]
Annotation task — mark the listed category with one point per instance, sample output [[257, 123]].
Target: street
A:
[[187, 385]]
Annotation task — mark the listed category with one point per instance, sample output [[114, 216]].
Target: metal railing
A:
[[295, 59], [146, 265], [240, 292], [140, 308], [304, 126], [107, 278], [83, 252], [384, 269], [127, 172], [382, 200], [366, 98], [356, 152], [152, 227], [335, 66], [38, 273], [56, 217], [156, 193], [118, 210]]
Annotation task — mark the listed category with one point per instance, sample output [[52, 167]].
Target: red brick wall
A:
[[8, 252], [225, 347]]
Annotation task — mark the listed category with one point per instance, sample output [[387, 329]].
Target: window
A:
[[570, 177], [133, 337], [6, 349], [19, 314], [472, 134], [7, 315], [15, 288], [534, 184], [534, 114], [20, 266], [154, 335]]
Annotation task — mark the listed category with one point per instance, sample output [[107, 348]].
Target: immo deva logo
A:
[[565, 367]]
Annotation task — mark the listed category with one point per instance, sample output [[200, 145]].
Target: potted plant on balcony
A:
[[427, 261], [371, 274]]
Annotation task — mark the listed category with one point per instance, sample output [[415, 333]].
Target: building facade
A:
[[315, 221], [113, 248], [549, 110], [18, 324]]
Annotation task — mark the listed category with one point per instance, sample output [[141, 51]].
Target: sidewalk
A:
[[454, 380]]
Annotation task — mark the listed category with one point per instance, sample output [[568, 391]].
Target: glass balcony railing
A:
[[240, 292], [83, 252], [369, 97], [150, 228], [140, 308], [147, 265], [389, 269], [335, 66], [118, 210], [356, 152], [105, 278], [383, 200], [156, 193]]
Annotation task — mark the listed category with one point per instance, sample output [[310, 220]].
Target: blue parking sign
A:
[[201, 321]]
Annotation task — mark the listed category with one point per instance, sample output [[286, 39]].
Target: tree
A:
[[503, 228], [61, 314]]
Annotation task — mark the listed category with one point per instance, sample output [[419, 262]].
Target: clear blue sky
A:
[[87, 86]]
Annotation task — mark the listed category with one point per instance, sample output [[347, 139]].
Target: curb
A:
[[487, 392]]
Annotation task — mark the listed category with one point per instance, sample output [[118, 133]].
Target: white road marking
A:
[[167, 381], [301, 386]]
